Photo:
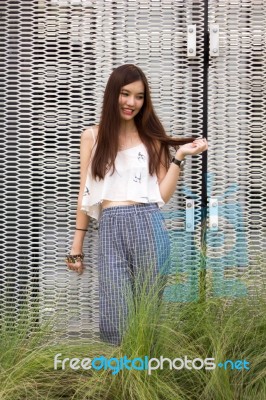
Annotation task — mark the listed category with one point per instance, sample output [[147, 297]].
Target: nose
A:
[[130, 100]]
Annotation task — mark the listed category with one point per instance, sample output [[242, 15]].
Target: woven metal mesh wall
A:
[[57, 57], [235, 160], [21, 151]]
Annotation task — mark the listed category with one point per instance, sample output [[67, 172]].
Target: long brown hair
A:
[[150, 129]]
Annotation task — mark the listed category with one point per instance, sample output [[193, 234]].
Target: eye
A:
[[124, 94]]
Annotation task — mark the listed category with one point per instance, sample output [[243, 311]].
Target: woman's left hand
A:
[[190, 149]]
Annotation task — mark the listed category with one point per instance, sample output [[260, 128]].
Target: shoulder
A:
[[89, 134], [87, 142]]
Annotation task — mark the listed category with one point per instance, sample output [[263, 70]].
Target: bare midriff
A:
[[110, 203]]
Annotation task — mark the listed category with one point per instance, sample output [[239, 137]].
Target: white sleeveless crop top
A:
[[130, 181]]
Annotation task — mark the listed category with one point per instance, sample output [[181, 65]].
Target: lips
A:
[[127, 111]]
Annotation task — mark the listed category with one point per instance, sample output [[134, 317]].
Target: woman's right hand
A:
[[76, 265]]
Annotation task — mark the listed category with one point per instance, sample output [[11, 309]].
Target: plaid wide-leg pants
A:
[[134, 248]]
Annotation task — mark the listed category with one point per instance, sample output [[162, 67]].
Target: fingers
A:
[[203, 140], [74, 262], [76, 267], [201, 144], [198, 146]]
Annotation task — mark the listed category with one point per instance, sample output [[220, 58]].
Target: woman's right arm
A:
[[82, 219]]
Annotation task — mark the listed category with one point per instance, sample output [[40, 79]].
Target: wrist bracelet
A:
[[73, 258], [84, 230]]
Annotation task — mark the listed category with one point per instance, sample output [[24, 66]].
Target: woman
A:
[[126, 175]]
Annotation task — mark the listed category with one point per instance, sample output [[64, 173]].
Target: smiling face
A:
[[131, 100]]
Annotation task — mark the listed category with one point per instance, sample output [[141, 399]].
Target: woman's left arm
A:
[[168, 179]]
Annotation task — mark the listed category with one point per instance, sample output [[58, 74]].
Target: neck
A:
[[127, 128], [128, 135]]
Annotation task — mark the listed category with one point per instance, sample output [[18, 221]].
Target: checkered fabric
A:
[[134, 250]]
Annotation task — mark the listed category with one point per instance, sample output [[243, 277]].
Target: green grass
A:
[[216, 328]]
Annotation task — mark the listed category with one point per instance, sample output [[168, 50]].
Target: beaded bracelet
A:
[[73, 258]]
